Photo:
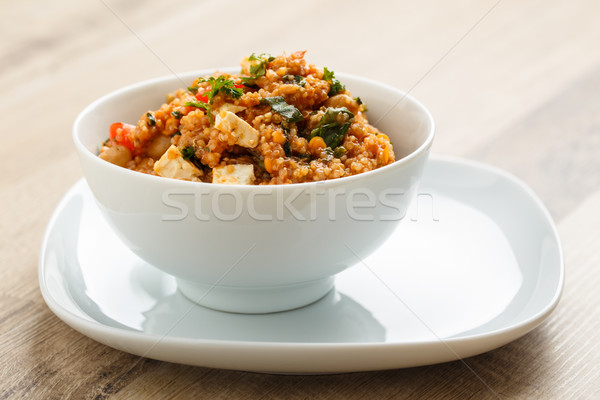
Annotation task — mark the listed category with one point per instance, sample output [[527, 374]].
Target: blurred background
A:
[[483, 68]]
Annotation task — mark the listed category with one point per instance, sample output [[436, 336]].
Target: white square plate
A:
[[476, 263]]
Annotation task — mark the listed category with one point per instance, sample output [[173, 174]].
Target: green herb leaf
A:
[[339, 151], [259, 161], [361, 103], [287, 111], [177, 114], [335, 86], [151, 119], [198, 104], [177, 133], [287, 148], [258, 67], [204, 106], [333, 126], [296, 79], [188, 153], [223, 85], [219, 84]]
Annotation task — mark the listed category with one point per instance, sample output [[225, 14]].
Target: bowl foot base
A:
[[255, 300]]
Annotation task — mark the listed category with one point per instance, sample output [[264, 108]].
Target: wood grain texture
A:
[[514, 84], [556, 149]]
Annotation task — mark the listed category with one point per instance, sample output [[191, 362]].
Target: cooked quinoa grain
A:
[[281, 120]]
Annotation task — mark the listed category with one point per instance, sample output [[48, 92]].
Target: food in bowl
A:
[[281, 120], [255, 248]]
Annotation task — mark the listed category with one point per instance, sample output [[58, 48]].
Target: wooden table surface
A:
[[515, 84]]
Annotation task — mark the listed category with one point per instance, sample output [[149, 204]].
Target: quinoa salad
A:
[[281, 120]]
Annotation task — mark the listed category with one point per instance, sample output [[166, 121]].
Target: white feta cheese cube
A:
[[231, 107], [245, 134], [172, 165], [234, 174]]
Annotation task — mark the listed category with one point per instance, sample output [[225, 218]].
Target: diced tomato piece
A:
[[120, 133], [202, 97], [298, 54]]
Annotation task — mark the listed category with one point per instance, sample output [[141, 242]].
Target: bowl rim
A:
[[404, 96]]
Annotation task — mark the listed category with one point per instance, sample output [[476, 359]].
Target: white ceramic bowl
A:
[[255, 249]]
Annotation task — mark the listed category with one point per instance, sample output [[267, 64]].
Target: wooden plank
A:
[[556, 148], [517, 89]]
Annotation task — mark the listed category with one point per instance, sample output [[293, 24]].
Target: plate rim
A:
[[95, 329]]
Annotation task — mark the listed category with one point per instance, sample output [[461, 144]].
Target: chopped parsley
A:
[[287, 111], [202, 105], [361, 103], [223, 85], [339, 151], [177, 114], [333, 126], [296, 79], [188, 153], [258, 67], [151, 119], [287, 148], [218, 85], [335, 86]]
